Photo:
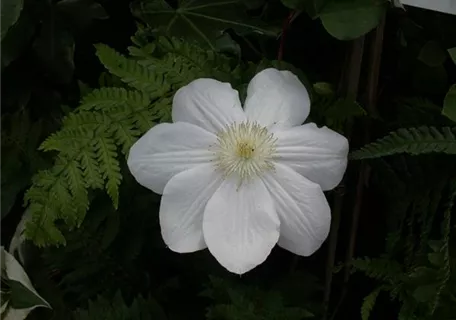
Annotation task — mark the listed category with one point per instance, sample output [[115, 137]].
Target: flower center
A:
[[245, 149]]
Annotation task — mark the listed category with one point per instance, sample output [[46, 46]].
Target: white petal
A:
[[182, 207], [209, 104], [305, 216], [166, 150], [277, 97], [240, 225], [319, 154]]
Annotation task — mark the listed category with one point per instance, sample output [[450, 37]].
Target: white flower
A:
[[239, 181]]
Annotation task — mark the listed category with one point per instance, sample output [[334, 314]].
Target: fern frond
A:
[[413, 141], [445, 273], [107, 123], [105, 149], [106, 99], [183, 62], [369, 303], [132, 73], [117, 309], [379, 268]]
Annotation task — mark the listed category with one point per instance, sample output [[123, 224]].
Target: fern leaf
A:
[[445, 273], [379, 268], [413, 141], [41, 228], [107, 123], [369, 303], [106, 99], [110, 168], [77, 186], [90, 167], [131, 72], [125, 134], [184, 62]]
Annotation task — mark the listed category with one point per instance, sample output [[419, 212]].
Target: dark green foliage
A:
[[110, 261], [117, 309], [20, 139], [420, 278], [200, 20], [411, 140], [249, 303], [110, 119], [332, 111]]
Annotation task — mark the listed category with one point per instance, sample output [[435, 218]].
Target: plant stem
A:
[[350, 77], [371, 105]]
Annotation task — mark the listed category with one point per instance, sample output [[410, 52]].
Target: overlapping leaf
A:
[[201, 20]]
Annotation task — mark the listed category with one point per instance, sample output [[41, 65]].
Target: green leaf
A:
[[449, 104], [425, 293], [324, 88], [23, 298], [82, 12], [436, 258], [369, 303], [432, 54], [452, 53], [55, 48], [410, 140], [348, 20], [22, 293], [201, 20], [2, 263], [294, 4], [18, 37], [11, 10]]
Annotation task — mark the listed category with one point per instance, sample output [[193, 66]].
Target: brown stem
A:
[[371, 105], [285, 26], [350, 77]]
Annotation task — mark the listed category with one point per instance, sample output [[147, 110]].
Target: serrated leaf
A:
[[449, 104], [11, 10], [369, 303], [201, 20], [410, 140], [348, 20]]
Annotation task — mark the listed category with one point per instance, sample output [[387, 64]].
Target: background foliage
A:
[[86, 79]]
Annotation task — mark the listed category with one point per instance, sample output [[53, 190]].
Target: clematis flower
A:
[[239, 181]]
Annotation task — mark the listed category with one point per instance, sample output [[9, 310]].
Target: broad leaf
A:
[[350, 19], [432, 54], [81, 13], [452, 52], [23, 298], [55, 48], [201, 20], [449, 104], [11, 10], [18, 38], [294, 4]]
